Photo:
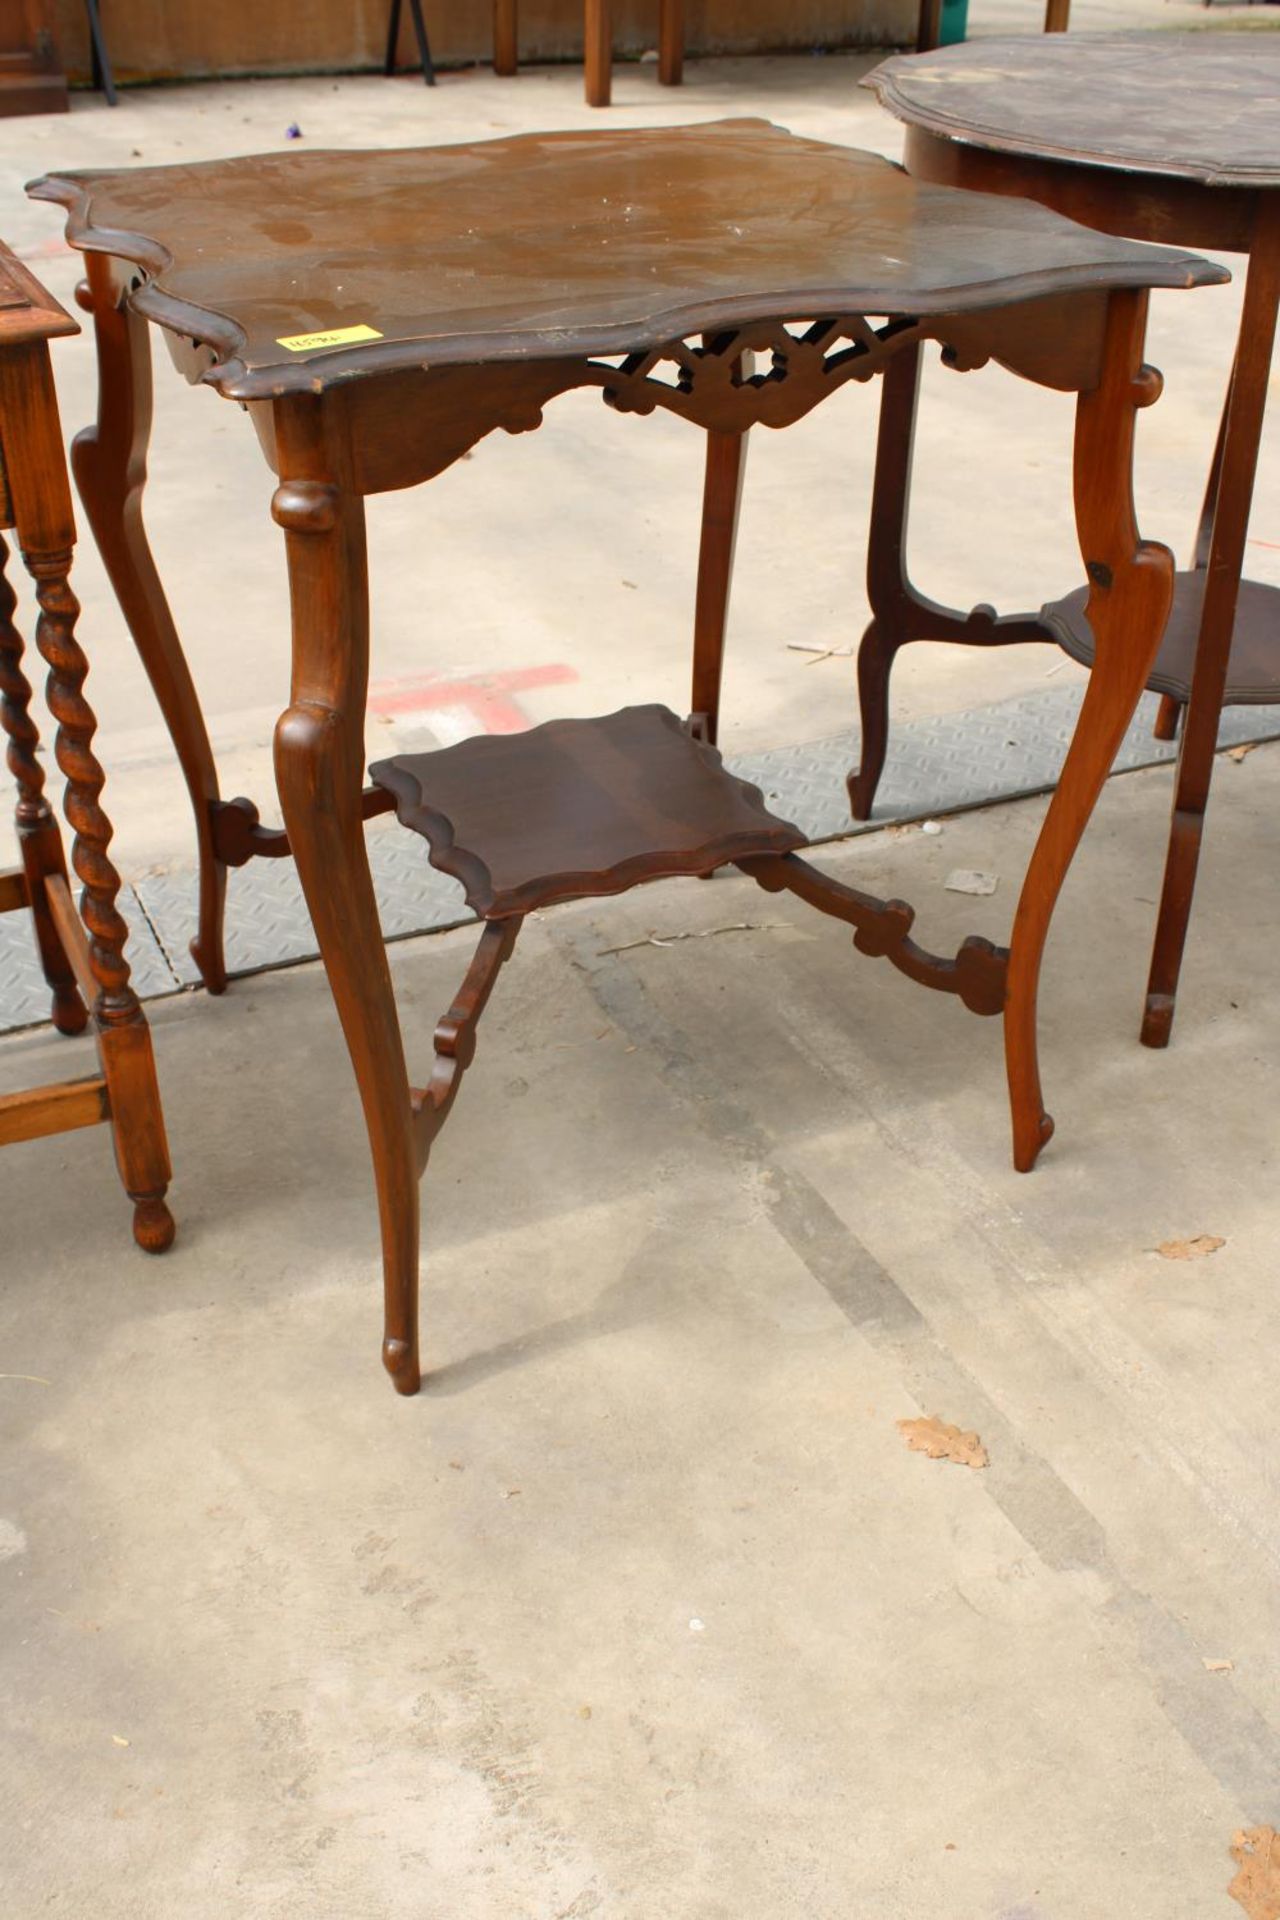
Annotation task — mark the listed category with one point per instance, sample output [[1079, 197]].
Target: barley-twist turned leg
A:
[[123, 1034], [37, 828]]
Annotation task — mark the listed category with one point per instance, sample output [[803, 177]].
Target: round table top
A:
[[1196, 106]]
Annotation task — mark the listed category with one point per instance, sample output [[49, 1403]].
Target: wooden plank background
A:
[[174, 39]]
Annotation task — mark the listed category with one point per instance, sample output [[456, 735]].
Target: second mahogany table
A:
[[1161, 137], [378, 313]]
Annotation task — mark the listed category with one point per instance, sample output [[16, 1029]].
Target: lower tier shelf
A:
[[1253, 677], [580, 808]]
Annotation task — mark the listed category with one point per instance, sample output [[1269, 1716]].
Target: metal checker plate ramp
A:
[[943, 764]]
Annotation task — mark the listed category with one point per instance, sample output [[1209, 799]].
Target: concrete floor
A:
[[644, 1608]]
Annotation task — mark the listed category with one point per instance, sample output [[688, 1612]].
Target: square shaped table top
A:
[[1194, 106], [566, 244]]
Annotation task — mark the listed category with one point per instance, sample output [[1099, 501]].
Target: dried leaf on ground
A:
[[941, 1442], [1256, 1851], [1218, 1666], [1195, 1249], [1238, 753]]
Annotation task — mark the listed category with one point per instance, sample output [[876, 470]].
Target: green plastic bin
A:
[[955, 20]]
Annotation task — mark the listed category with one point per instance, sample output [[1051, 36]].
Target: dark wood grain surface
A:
[[579, 807], [1198, 106], [560, 244], [1253, 673]]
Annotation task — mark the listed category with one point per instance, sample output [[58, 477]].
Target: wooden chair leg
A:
[[598, 52], [1238, 463], [1057, 15], [319, 755], [506, 36], [721, 499], [109, 460], [39, 841], [670, 42], [928, 25], [1131, 591]]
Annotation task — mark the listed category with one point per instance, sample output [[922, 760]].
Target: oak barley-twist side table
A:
[[377, 314], [83, 960]]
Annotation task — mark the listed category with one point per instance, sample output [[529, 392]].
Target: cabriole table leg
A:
[[900, 613], [1131, 591], [109, 460], [319, 754]]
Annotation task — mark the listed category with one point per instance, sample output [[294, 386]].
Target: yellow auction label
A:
[[335, 337]]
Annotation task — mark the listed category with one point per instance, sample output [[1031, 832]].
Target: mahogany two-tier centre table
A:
[[376, 314], [1159, 137]]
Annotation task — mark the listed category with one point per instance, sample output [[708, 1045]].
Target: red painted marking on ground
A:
[[44, 249], [486, 696]]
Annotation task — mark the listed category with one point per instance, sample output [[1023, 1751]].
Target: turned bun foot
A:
[[153, 1225], [401, 1362]]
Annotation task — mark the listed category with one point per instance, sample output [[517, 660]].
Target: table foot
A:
[[1157, 1019], [207, 948], [400, 1358], [1172, 924], [153, 1224], [876, 656], [1030, 1135]]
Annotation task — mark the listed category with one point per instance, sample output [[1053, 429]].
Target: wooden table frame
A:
[[334, 440], [83, 960], [1219, 649]]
